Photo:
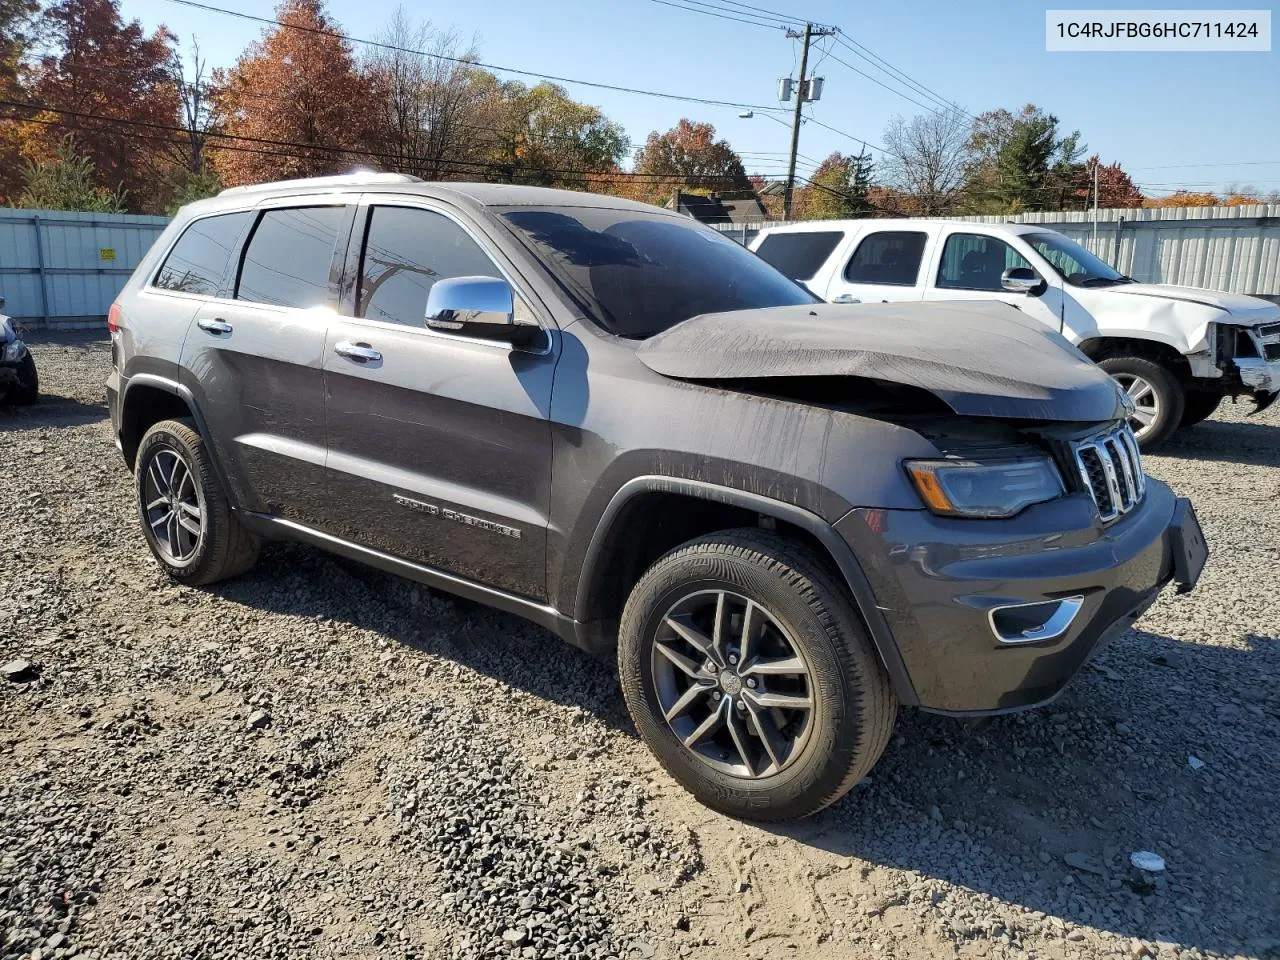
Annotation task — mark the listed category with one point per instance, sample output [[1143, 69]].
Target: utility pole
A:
[[1095, 206], [800, 90]]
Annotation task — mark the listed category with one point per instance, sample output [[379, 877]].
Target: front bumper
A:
[[938, 580], [1260, 376]]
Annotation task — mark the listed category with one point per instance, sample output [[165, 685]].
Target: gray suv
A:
[[786, 517]]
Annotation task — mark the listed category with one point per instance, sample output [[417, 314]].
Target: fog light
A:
[[1034, 622]]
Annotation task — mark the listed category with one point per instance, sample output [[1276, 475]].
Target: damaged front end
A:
[[1246, 361], [18, 381]]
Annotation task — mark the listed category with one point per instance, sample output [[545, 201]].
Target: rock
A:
[[1194, 762], [1083, 861], [259, 719], [515, 936], [1146, 860], [935, 814], [1138, 950], [742, 887], [20, 671]]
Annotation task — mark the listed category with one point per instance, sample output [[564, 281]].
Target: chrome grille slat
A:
[[1110, 468]]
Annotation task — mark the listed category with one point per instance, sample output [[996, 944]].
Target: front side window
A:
[[289, 257], [888, 257], [198, 261], [642, 272], [798, 255], [1073, 262], [406, 251], [972, 261]]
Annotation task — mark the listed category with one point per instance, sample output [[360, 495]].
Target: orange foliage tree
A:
[[1184, 198], [1115, 187], [296, 100], [14, 19], [110, 86], [688, 156]]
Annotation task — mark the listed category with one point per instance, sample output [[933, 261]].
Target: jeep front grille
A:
[[1111, 470]]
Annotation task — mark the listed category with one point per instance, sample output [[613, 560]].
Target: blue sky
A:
[[1193, 120]]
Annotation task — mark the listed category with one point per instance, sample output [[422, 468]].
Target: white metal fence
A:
[[1236, 249], [63, 269]]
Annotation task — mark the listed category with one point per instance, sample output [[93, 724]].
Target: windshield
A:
[[645, 272], [1077, 265]]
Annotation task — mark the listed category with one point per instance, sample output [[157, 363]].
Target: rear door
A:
[[884, 265], [440, 446], [253, 356], [969, 266]]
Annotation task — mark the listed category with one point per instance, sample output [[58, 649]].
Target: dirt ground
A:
[[321, 760]]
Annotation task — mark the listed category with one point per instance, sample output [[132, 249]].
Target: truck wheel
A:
[[185, 516], [28, 382], [1157, 396], [751, 677], [1200, 406]]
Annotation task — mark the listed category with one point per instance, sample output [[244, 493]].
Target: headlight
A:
[[14, 351], [965, 488]]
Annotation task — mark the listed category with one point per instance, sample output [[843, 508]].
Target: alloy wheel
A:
[[1146, 402], [734, 687], [172, 506]]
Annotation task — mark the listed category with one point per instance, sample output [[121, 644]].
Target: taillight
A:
[[113, 319]]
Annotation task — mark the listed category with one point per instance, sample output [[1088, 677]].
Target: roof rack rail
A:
[[360, 178]]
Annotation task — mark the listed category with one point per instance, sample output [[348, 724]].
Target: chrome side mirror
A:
[[480, 307], [1021, 280]]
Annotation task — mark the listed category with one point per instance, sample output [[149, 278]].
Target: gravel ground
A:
[[320, 760]]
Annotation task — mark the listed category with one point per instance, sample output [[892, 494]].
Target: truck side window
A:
[[289, 256], [799, 255], [972, 261], [887, 257], [406, 251], [198, 260]]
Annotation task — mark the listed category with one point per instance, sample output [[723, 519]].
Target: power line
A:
[[208, 8], [886, 67], [719, 15], [893, 90]]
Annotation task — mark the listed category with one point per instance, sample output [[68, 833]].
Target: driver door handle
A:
[[846, 298], [214, 326], [360, 352]]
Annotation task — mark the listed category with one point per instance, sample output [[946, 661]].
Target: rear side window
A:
[[405, 252], [798, 255], [289, 256], [198, 261], [889, 257], [972, 261]]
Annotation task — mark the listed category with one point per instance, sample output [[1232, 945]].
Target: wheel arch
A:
[[1164, 352], [627, 540]]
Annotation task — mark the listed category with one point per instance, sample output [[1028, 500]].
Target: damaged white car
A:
[[1177, 351]]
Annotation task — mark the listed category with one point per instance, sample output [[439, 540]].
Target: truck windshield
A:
[[1077, 265], [644, 272]]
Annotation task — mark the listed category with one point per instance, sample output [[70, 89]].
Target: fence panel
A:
[[62, 269]]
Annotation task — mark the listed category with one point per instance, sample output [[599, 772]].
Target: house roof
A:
[[712, 209]]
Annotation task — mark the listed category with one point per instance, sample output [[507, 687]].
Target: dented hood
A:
[[1246, 311], [983, 359]]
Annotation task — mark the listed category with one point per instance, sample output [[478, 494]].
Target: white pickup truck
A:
[[1177, 351]]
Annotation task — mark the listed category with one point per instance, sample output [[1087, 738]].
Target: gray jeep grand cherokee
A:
[[788, 517]]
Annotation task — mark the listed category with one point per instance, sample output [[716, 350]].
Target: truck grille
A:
[[1111, 470], [1269, 340]]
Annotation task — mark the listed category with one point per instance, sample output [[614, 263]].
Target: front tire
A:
[[1201, 405], [749, 674], [185, 516], [1157, 395], [28, 391]]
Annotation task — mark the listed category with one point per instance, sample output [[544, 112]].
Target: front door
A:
[[970, 266], [439, 447], [253, 357]]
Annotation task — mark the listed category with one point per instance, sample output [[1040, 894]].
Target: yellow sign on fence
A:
[[106, 253]]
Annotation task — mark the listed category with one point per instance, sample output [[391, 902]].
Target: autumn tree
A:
[[293, 105], [1115, 187], [925, 157], [110, 86], [688, 156], [15, 22], [1184, 198], [837, 188]]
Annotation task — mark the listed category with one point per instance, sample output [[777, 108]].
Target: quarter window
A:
[[972, 261], [798, 255], [198, 261], [406, 251], [289, 257], [890, 257]]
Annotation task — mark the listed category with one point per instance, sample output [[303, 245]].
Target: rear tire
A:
[[186, 518], [28, 391], [1201, 405], [1156, 392], [764, 756]]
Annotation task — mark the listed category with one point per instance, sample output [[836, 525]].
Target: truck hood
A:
[[982, 359], [1245, 311]]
